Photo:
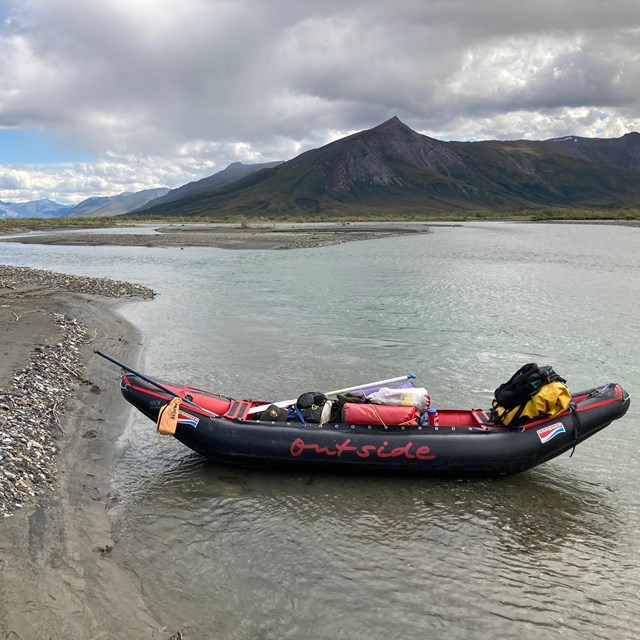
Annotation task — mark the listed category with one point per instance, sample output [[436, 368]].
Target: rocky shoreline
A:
[[30, 408], [30, 416], [59, 420], [29, 281]]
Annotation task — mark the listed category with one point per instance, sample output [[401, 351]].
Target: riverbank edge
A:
[[58, 580], [256, 236]]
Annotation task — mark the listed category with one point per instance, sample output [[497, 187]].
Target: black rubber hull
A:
[[462, 450]]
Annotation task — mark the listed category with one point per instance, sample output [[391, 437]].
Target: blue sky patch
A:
[[29, 146]]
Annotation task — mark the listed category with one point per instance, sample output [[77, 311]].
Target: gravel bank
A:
[[60, 415], [30, 416], [278, 238], [27, 281], [31, 405]]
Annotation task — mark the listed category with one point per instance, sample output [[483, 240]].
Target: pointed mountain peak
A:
[[395, 127], [391, 124]]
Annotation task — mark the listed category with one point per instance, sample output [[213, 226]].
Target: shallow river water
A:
[[223, 552]]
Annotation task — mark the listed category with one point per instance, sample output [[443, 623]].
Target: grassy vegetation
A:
[[554, 213], [244, 221]]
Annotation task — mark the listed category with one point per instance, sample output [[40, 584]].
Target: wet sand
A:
[[58, 579]]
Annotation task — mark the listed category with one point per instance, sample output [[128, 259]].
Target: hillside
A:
[[114, 205], [235, 171], [621, 152], [391, 168]]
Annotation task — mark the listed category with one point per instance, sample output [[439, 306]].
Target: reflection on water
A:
[[535, 511], [237, 553], [278, 552]]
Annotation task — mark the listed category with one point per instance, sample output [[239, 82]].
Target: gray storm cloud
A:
[[269, 78]]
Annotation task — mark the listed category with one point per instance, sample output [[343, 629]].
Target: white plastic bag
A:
[[417, 397]]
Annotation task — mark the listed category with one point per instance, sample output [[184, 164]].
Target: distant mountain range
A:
[[127, 201], [91, 207], [391, 168], [33, 209]]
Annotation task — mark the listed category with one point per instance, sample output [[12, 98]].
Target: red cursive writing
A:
[[422, 452]]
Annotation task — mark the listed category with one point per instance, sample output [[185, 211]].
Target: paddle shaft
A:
[[152, 381], [379, 383], [281, 403]]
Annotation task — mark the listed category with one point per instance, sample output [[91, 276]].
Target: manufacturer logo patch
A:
[[189, 420], [547, 433]]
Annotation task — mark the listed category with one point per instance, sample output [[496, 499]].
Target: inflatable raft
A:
[[463, 442]]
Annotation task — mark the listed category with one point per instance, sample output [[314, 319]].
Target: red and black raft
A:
[[465, 442]]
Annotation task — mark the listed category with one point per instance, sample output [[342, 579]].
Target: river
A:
[[223, 552]]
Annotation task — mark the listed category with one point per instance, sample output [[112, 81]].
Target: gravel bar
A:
[[31, 406], [12, 277]]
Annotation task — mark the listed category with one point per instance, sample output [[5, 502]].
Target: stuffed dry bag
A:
[[532, 392]]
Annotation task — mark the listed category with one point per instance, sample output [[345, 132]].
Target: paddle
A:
[[153, 382], [281, 403], [379, 383]]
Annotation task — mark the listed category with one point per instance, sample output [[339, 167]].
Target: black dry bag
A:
[[519, 389], [310, 405]]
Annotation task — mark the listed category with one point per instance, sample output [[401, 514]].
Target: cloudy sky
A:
[[103, 96]]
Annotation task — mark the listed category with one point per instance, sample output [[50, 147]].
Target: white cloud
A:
[[70, 183], [191, 85]]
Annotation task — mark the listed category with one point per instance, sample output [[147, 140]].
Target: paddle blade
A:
[[168, 417]]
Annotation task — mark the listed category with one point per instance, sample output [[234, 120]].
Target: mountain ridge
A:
[[110, 206], [103, 206], [42, 208], [231, 173], [390, 168]]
